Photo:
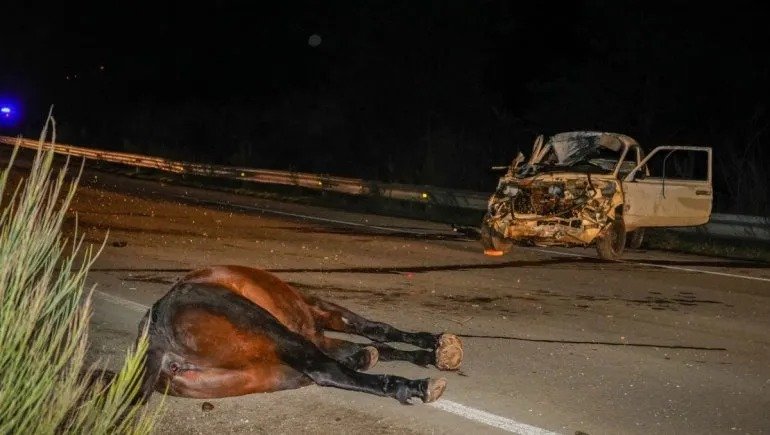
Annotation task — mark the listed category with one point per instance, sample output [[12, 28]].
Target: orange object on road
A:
[[493, 252]]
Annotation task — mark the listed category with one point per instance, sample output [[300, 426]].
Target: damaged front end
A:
[[568, 193], [582, 188], [553, 209]]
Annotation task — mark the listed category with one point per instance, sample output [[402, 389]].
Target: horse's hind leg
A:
[[325, 371], [419, 357], [352, 355], [364, 356], [446, 351]]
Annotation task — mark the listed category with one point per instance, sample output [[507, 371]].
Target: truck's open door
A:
[[671, 187]]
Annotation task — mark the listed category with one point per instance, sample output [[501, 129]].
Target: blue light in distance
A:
[[9, 114]]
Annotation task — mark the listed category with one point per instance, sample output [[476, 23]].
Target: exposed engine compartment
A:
[[553, 208], [547, 199]]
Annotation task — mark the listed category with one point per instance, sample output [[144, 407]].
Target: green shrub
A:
[[44, 315]]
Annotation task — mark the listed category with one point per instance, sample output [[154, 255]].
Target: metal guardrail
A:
[[351, 186], [733, 226], [721, 225]]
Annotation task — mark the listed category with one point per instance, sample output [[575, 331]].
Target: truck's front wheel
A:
[[493, 242], [611, 244]]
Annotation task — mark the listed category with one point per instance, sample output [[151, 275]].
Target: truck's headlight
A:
[[555, 190], [511, 191]]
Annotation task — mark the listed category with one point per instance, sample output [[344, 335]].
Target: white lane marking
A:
[[489, 419], [459, 409], [662, 266], [313, 218], [131, 305]]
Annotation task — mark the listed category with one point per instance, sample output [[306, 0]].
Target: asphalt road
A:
[[555, 340]]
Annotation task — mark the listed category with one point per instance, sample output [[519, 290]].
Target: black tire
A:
[[491, 239], [610, 246], [635, 238]]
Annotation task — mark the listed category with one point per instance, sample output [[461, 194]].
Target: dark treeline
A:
[[406, 91]]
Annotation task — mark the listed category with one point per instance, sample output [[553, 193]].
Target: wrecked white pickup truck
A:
[[582, 188]]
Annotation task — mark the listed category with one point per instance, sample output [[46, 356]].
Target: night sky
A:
[[408, 91]]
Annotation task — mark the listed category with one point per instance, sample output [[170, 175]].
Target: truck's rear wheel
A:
[[611, 244], [635, 238]]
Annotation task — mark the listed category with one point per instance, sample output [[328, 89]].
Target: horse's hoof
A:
[[436, 388], [449, 353], [371, 357]]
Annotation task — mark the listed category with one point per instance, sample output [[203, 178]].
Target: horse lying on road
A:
[[232, 330]]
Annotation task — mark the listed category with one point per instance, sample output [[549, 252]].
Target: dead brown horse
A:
[[232, 330]]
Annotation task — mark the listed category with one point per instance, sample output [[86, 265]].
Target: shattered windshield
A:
[[580, 151], [572, 149]]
